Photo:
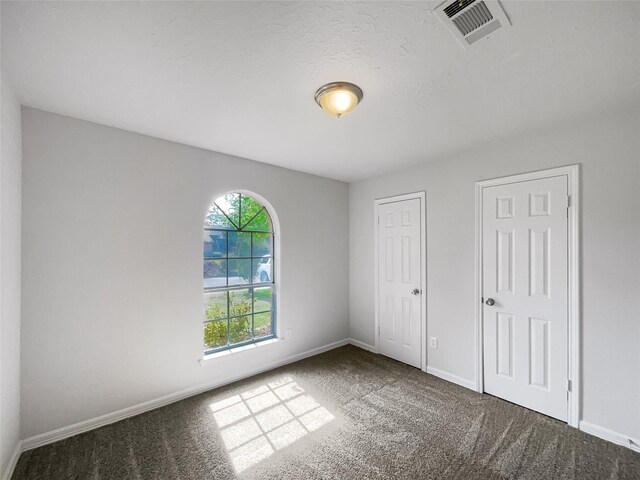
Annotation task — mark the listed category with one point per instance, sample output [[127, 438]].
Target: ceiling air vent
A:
[[472, 20]]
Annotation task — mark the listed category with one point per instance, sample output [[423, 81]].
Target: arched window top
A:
[[237, 211]]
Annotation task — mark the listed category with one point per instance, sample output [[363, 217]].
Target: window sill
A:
[[212, 356]]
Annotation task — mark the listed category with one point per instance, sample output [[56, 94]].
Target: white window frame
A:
[[274, 284]]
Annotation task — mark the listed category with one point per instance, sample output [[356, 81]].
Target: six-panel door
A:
[[525, 274], [399, 281]]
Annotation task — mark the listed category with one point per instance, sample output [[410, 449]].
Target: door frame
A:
[[573, 281], [422, 196]]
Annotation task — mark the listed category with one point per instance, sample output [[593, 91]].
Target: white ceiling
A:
[[239, 77]]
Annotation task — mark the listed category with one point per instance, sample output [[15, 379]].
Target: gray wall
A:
[[10, 185], [608, 148], [112, 266]]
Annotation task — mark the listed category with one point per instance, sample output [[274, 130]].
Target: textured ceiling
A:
[[239, 77]]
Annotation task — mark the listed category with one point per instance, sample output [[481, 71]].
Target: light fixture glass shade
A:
[[338, 98]]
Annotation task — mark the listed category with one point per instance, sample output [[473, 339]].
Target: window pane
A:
[[261, 244], [239, 244], [215, 334], [261, 272], [262, 223], [239, 272], [215, 273], [249, 210], [215, 243], [240, 329], [215, 305], [262, 325], [240, 302], [230, 204], [262, 299], [215, 218]]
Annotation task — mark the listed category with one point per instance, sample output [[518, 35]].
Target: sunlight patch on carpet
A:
[[258, 422]]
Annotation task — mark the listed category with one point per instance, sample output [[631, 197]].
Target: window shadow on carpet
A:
[[258, 422]]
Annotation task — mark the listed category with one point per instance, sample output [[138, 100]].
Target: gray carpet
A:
[[340, 415]]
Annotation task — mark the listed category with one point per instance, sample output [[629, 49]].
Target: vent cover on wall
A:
[[472, 20]]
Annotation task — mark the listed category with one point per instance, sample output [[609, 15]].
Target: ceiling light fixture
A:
[[338, 98]]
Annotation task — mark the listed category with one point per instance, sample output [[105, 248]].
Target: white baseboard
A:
[[431, 370], [450, 377], [362, 345], [86, 425], [610, 436], [13, 461]]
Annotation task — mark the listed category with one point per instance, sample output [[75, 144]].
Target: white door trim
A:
[[574, 367], [423, 268]]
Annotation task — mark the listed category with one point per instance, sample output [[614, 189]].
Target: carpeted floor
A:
[[344, 414]]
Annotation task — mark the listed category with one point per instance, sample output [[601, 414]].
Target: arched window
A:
[[239, 306]]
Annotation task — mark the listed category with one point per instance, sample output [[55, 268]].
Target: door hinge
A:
[[568, 201], [568, 385], [378, 220], [378, 330]]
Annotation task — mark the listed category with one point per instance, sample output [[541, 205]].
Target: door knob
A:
[[415, 291], [490, 301]]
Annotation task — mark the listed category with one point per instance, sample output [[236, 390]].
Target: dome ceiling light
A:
[[338, 98]]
